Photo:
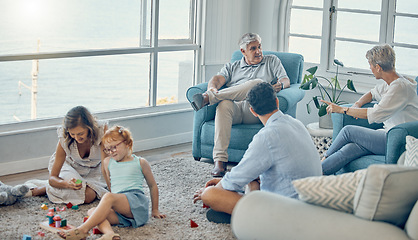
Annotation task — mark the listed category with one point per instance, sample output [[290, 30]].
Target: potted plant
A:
[[330, 92]]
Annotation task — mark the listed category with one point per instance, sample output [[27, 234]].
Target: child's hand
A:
[[157, 214]]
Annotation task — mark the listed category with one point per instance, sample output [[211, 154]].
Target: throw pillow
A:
[[411, 156], [335, 191], [387, 193]]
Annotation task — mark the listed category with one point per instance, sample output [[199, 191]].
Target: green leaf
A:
[[350, 85], [322, 110], [312, 70], [305, 86], [315, 100], [314, 82], [308, 108]]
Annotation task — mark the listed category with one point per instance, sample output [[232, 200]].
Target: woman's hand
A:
[[333, 108], [72, 185]]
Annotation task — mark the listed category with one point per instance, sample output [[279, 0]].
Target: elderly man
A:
[[238, 78], [279, 153]]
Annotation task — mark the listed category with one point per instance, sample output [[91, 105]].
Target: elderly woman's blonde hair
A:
[[384, 55]]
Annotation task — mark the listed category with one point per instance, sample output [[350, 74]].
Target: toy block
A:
[[26, 237], [44, 207], [69, 205], [205, 206], [63, 222], [61, 209], [51, 227], [75, 207], [96, 231], [193, 224], [85, 219], [78, 181], [41, 234]]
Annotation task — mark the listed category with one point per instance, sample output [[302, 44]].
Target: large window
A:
[[106, 55], [346, 29]]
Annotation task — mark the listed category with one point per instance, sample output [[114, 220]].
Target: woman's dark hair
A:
[[80, 116], [262, 98]]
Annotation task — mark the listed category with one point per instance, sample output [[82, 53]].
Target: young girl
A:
[[126, 203]]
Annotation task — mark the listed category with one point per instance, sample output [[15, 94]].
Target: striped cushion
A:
[[411, 156], [335, 191]]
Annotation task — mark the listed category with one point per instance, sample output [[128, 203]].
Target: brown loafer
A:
[[219, 170]]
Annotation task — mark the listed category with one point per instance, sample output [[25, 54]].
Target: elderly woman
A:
[[397, 103]]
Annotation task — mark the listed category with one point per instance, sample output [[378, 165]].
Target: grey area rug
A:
[[177, 178]]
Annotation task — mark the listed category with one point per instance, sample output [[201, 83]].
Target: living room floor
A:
[[150, 155]]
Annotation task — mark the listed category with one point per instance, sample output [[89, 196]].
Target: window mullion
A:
[[154, 54], [329, 34], [387, 21]]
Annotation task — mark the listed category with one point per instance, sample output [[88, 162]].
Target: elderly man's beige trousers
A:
[[232, 109]]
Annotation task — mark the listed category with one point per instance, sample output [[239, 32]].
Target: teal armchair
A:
[[242, 134]]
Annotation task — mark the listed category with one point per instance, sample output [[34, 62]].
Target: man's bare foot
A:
[[219, 169]]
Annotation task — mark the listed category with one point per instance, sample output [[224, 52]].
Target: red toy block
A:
[[96, 231], [85, 219], [69, 205], [193, 224], [41, 234], [205, 206]]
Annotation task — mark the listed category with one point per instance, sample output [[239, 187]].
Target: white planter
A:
[[325, 121]]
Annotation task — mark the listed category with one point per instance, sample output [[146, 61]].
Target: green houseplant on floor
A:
[[331, 92]]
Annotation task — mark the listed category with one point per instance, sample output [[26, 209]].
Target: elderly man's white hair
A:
[[248, 38]]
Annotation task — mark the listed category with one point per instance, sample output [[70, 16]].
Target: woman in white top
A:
[[397, 103], [77, 157]]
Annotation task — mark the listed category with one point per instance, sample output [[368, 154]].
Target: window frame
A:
[[190, 44], [361, 77]]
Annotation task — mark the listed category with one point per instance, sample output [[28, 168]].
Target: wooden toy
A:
[[193, 224], [205, 206], [85, 219], [69, 205], [44, 207], [41, 234], [51, 227], [78, 181], [63, 222], [96, 231], [75, 207], [57, 219], [26, 237]]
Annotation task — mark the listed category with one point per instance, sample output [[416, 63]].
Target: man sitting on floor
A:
[[280, 152]]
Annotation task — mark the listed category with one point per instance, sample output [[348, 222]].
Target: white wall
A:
[[30, 147]]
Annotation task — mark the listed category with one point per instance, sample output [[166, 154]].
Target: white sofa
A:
[[385, 207]]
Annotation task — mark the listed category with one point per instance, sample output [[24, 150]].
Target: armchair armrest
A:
[[207, 113], [396, 140], [340, 120], [292, 95]]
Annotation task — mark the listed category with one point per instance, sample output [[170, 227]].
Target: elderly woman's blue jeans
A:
[[351, 143]]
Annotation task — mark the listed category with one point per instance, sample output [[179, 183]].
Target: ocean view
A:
[[100, 83]]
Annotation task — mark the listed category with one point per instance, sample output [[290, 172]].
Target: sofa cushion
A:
[[411, 156], [412, 223], [335, 191], [387, 193]]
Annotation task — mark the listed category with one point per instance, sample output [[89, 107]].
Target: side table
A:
[[322, 137]]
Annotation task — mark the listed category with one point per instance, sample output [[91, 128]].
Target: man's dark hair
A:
[[262, 98]]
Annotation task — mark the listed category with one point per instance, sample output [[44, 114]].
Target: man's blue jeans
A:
[[351, 143]]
